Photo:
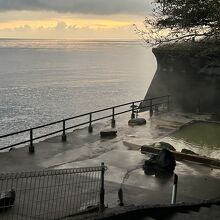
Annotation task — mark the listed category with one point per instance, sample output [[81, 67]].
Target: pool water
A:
[[201, 137]]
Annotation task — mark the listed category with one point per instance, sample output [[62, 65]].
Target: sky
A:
[[72, 19]]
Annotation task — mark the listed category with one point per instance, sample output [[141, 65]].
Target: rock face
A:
[[190, 74]]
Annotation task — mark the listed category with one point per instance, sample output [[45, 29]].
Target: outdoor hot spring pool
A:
[[201, 137]]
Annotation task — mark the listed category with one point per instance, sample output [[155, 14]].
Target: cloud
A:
[[61, 25], [23, 28], [62, 30], [97, 7]]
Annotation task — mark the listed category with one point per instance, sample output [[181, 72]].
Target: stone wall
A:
[[190, 74]]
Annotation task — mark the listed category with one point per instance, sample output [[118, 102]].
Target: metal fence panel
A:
[[49, 194]]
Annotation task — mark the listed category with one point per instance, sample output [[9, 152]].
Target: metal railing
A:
[[133, 107], [51, 194]]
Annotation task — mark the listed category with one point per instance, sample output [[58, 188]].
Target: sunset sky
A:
[[72, 19]]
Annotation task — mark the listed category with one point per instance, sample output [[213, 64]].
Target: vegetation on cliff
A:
[[182, 21], [208, 48]]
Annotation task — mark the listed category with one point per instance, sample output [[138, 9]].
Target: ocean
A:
[[42, 81]]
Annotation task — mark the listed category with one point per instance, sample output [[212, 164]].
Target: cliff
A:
[[190, 73]]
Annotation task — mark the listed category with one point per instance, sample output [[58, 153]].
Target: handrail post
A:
[[113, 118], [64, 131], [151, 107], [132, 113], [174, 192], [90, 128], [31, 147], [168, 103], [102, 189]]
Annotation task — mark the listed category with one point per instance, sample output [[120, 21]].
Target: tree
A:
[[181, 20]]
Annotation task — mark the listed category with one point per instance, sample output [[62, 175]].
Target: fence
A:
[[51, 194], [89, 118]]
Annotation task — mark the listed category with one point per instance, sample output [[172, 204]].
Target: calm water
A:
[[201, 137], [46, 80]]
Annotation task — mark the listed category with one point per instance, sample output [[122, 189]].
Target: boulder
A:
[[109, 132], [164, 162], [7, 199], [137, 121], [187, 151], [165, 145]]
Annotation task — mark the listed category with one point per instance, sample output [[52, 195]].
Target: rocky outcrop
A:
[[164, 162], [190, 73]]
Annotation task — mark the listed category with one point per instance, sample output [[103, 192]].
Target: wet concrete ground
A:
[[124, 161]]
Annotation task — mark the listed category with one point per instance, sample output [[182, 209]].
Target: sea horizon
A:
[[77, 39]]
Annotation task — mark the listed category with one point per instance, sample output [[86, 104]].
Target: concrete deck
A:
[[124, 161]]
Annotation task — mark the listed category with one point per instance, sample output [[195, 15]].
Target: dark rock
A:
[[137, 121], [164, 162], [163, 174], [109, 132], [167, 146], [186, 151], [166, 159], [161, 145], [7, 199]]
